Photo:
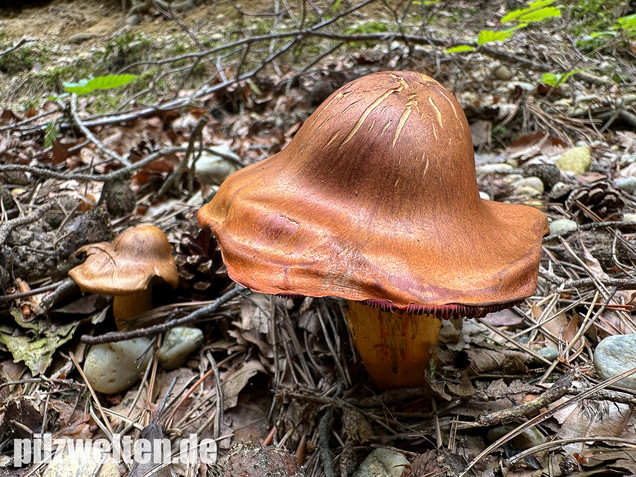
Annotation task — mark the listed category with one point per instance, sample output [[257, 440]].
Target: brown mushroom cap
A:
[[127, 264], [375, 199]]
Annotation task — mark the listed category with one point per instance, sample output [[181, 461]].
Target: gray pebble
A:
[[178, 343], [562, 226], [628, 184], [84, 461], [526, 440], [111, 367], [382, 463], [614, 355], [549, 352]]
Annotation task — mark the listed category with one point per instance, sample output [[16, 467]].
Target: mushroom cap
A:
[[375, 199], [127, 264]]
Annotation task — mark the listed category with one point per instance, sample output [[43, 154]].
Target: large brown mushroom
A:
[[126, 269], [375, 200]]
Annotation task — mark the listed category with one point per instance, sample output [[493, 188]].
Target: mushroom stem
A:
[[395, 347], [129, 306]]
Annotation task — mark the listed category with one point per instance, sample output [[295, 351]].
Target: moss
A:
[[19, 60], [125, 50], [52, 79]]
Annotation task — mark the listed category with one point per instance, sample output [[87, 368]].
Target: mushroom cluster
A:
[[375, 200]]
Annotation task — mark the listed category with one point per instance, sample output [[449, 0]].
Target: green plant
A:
[[555, 80], [50, 133], [536, 11], [86, 86], [17, 61]]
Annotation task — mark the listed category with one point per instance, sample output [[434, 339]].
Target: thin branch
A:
[[156, 329], [9, 225], [91, 137]]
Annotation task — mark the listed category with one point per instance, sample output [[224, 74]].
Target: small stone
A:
[[82, 461], [548, 173], [382, 463], [81, 37], [560, 190], [576, 159], [112, 367], [212, 169], [133, 20], [549, 352], [562, 226], [628, 184], [615, 355], [251, 460], [503, 73], [483, 195], [522, 85], [178, 343], [490, 168], [527, 439], [529, 186], [631, 218]]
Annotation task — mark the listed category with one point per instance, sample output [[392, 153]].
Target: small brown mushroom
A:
[[375, 200], [126, 269]]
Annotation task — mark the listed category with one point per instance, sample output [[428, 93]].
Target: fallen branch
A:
[[156, 329]]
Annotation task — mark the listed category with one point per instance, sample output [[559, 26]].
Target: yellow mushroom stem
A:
[[395, 347], [126, 307]]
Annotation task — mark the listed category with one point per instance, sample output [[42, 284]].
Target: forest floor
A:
[[276, 382]]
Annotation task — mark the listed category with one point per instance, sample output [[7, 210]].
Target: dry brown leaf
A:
[[234, 383], [594, 419]]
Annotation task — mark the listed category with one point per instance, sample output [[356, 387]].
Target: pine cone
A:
[[200, 265], [30, 252], [601, 199]]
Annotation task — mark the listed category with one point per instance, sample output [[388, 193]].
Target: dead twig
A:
[[559, 389], [178, 172], [543, 416], [92, 138], [9, 225], [153, 330]]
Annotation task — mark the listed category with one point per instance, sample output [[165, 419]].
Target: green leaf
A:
[[539, 15], [596, 34], [87, 86], [555, 80], [368, 27], [628, 22], [487, 36], [459, 49], [50, 133], [36, 351], [513, 15]]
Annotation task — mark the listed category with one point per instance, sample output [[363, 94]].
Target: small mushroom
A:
[[375, 200], [126, 269]]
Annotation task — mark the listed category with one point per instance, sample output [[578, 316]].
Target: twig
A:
[[178, 172], [61, 289], [156, 329], [91, 137], [574, 440], [620, 283], [34, 291], [9, 225], [559, 389], [16, 46], [323, 443], [543, 416]]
